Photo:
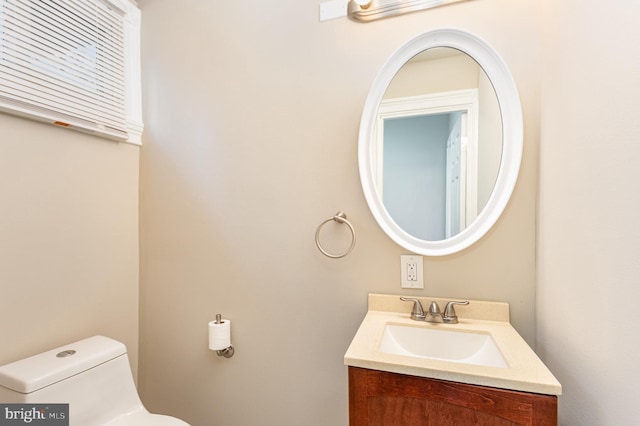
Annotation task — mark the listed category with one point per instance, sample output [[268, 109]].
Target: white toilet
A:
[[92, 376]]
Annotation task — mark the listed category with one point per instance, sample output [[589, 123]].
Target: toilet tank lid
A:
[[36, 372]]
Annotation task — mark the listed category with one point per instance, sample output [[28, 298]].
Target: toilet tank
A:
[[92, 376]]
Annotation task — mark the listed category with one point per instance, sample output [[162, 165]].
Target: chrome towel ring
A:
[[339, 217]]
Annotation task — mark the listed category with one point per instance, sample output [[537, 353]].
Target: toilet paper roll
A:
[[219, 335]]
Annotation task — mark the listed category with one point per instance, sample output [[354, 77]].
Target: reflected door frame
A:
[[465, 101]]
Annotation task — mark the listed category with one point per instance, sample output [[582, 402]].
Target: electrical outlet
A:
[[412, 272], [411, 275]]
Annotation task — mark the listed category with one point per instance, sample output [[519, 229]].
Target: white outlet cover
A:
[[405, 282]]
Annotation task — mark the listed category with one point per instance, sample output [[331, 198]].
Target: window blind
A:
[[63, 61]]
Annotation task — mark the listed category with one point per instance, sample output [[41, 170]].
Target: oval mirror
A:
[[440, 142]]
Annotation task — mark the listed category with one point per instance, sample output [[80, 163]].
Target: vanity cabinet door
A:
[[378, 398]]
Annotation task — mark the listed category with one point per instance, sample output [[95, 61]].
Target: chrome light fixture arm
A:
[[371, 10]]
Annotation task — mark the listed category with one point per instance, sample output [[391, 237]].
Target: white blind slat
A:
[[44, 38], [62, 37], [65, 59], [27, 109], [21, 59], [88, 29], [15, 88]]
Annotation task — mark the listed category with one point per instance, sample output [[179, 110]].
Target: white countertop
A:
[[525, 372]]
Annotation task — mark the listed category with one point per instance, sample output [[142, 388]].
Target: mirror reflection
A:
[[438, 144]]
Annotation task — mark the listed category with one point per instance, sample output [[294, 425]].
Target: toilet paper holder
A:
[[228, 351]]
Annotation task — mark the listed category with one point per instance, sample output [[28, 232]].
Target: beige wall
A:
[[434, 76], [589, 233], [69, 239], [252, 112]]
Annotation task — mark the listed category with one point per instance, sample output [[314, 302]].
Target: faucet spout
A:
[[434, 314]]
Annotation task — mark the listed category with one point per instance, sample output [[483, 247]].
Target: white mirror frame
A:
[[512, 139]]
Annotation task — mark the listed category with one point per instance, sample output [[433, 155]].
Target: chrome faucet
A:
[[434, 315], [417, 313], [449, 315]]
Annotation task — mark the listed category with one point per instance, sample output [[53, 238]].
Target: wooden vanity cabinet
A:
[[379, 398]]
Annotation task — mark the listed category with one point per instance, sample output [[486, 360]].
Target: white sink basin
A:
[[446, 345]]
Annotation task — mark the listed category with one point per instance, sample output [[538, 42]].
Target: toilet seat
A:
[[143, 418]]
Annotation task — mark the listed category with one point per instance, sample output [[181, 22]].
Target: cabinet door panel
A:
[[379, 398]]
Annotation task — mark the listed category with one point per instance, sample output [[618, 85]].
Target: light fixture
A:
[[371, 10], [363, 4]]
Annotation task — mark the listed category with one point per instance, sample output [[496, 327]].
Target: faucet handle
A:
[[417, 313], [449, 315]]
